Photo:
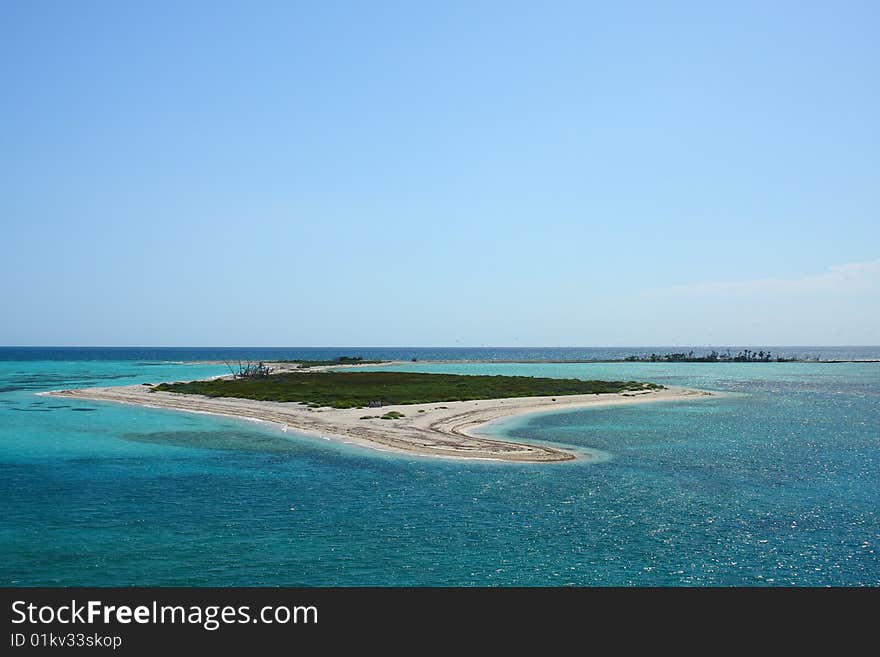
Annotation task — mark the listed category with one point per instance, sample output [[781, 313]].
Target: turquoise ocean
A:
[[775, 483]]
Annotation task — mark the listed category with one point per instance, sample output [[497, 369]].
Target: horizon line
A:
[[706, 346]]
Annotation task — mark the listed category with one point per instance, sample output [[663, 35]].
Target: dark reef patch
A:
[[220, 440]]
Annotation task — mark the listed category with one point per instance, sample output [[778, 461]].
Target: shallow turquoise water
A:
[[775, 484]]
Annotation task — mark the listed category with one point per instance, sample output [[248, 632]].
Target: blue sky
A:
[[420, 173]]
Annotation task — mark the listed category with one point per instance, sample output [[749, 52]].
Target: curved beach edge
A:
[[443, 429]]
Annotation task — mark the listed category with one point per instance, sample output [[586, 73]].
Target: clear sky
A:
[[440, 173]]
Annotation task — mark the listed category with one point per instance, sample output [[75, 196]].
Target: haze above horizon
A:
[[443, 173]]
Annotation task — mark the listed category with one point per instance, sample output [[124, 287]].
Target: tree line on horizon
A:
[[744, 356]]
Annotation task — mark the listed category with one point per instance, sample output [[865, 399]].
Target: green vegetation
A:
[[342, 360], [376, 389], [744, 356], [390, 415]]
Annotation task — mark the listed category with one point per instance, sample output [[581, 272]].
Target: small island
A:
[[744, 356], [424, 414]]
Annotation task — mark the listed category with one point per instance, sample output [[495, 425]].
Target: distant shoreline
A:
[[483, 361]]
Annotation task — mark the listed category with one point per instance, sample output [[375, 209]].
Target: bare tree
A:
[[249, 370]]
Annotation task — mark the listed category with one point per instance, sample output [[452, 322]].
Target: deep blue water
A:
[[776, 483]]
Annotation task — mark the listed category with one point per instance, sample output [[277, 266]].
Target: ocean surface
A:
[[775, 483]]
